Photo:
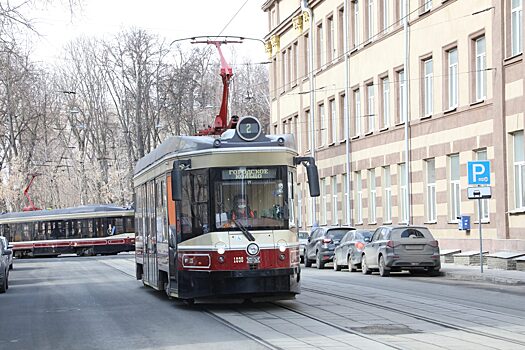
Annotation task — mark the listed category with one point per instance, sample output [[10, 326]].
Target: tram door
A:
[[150, 258]]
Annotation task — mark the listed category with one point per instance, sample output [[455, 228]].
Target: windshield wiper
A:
[[244, 230]]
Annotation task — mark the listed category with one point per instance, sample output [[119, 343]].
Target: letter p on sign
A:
[[479, 172]]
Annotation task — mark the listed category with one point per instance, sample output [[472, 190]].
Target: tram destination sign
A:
[[248, 174]]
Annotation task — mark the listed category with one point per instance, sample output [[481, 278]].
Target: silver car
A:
[[303, 241], [348, 253], [396, 248], [5, 253], [7, 246]]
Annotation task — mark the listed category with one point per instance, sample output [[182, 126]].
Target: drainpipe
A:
[[305, 8], [347, 114], [406, 116]]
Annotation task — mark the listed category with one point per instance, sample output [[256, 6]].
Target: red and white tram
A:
[[215, 216], [84, 230]]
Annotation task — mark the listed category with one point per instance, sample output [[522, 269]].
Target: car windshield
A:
[[337, 233], [364, 234], [303, 235], [252, 196]]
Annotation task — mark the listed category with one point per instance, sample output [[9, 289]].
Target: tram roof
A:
[[99, 210], [175, 145]]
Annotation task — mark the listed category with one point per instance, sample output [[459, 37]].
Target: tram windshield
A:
[[254, 197]]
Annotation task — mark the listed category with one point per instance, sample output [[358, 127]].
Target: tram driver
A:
[[241, 209]]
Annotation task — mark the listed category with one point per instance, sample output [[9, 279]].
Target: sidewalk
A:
[[473, 273]]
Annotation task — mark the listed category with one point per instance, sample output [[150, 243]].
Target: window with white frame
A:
[[385, 15], [341, 30], [357, 113], [295, 68], [323, 201], [359, 198], [356, 23], [335, 214], [455, 191], [321, 52], [402, 9], [345, 199], [299, 206], [371, 107], [370, 19], [310, 200], [402, 106], [403, 193], [333, 121], [331, 40], [427, 6], [323, 129], [428, 96], [284, 71], [485, 216], [306, 46], [387, 195], [453, 78], [481, 66], [519, 170], [307, 131], [342, 114], [385, 83], [431, 204], [372, 200], [516, 24]]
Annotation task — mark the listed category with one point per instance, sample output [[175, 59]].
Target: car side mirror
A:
[[7, 252], [367, 239], [309, 238]]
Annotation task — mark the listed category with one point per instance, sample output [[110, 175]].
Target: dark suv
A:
[[322, 243], [5, 253]]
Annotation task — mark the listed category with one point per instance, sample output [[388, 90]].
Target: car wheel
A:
[[11, 267], [432, 272], [307, 262], [351, 265], [3, 285], [336, 266], [383, 270], [319, 261], [364, 267]]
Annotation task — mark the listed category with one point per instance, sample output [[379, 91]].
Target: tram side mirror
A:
[[312, 174]]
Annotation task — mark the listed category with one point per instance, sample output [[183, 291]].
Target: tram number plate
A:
[[254, 260]]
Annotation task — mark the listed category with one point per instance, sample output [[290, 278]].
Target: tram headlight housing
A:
[[282, 245], [252, 249], [221, 247]]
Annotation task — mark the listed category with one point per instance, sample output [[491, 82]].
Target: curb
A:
[[482, 278]]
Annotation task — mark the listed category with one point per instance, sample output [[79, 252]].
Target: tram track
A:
[[443, 324]]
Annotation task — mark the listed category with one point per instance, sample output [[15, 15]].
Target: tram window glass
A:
[[265, 192], [194, 205], [291, 201]]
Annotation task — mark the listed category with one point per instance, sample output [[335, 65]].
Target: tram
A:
[[83, 230], [216, 215]]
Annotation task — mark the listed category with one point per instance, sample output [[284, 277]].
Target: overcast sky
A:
[[171, 19]]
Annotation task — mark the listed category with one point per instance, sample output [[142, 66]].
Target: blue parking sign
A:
[[479, 172]]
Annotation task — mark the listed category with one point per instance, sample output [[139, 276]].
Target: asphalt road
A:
[[95, 303]]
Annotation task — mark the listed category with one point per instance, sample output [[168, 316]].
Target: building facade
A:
[[393, 98]]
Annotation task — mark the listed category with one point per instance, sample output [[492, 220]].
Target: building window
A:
[[359, 198], [284, 71], [387, 195], [385, 85], [370, 20], [372, 200], [323, 196], [335, 217], [310, 200], [516, 24], [455, 192], [427, 5], [323, 130], [345, 199], [403, 193], [402, 10], [481, 66], [342, 114], [384, 15], [431, 204], [299, 206], [401, 102], [274, 77], [331, 49], [370, 107], [307, 126], [357, 113], [295, 64], [306, 46], [519, 170], [452, 78], [341, 30], [297, 132], [428, 98], [356, 23], [485, 216], [333, 121], [320, 47]]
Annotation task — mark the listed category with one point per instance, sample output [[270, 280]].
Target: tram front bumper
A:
[[242, 283]]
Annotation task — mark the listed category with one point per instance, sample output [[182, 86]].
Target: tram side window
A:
[[195, 204]]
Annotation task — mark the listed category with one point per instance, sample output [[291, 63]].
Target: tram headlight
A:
[[252, 249], [221, 247], [282, 245]]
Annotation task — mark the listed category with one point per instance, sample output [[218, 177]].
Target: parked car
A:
[[6, 244], [303, 241], [4, 266], [396, 248], [349, 251], [322, 243]]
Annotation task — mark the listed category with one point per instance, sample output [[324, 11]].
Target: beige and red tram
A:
[[189, 241]]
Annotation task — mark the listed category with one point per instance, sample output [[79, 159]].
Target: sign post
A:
[[479, 174]]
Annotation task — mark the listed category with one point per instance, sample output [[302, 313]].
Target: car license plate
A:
[[414, 246], [254, 260]]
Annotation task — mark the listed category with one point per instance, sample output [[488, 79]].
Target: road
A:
[[95, 303]]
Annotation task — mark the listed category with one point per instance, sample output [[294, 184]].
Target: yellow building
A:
[[342, 75]]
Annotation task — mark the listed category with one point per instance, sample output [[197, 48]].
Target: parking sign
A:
[[479, 172]]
